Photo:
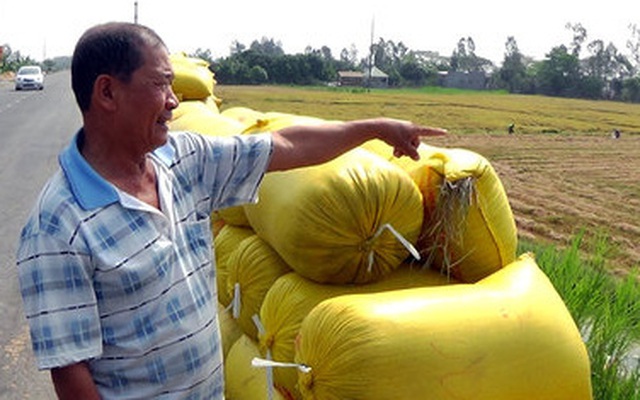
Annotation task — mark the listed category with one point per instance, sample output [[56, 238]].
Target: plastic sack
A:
[[469, 229], [248, 117], [351, 220], [506, 337], [292, 297], [242, 381], [230, 331], [273, 121], [225, 243], [252, 268], [200, 119], [194, 106], [193, 80]]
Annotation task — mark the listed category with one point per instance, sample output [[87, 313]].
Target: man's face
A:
[[147, 100]]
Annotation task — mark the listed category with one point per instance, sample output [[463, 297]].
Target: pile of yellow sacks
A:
[[371, 277]]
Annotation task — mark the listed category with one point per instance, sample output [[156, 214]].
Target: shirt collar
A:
[[89, 188]]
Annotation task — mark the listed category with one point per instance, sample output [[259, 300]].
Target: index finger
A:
[[430, 131]]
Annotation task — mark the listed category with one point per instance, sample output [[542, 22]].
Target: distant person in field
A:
[[615, 134], [115, 263], [511, 128]]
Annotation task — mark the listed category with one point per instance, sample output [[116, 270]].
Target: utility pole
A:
[[135, 12], [373, 20]]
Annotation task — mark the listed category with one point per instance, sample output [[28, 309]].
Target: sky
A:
[[49, 28]]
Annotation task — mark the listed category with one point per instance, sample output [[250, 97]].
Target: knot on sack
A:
[[368, 244], [266, 342], [305, 385]]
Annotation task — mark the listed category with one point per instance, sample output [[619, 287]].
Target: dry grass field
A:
[[562, 170]]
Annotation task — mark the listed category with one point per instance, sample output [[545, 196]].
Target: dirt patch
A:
[[560, 184]]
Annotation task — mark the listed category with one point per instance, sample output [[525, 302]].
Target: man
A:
[[115, 265]]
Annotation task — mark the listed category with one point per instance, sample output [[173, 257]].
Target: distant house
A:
[[376, 78], [475, 80], [350, 78]]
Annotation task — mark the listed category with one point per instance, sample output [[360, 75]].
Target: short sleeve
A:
[[227, 170]]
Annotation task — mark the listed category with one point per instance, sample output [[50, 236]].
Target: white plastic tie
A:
[[407, 245], [257, 362], [261, 332], [236, 301]]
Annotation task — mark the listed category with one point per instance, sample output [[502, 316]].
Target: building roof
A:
[[350, 74], [376, 73]]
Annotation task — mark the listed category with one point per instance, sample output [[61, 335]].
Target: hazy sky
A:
[[49, 28]]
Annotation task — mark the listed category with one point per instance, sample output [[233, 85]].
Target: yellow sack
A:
[[254, 121], [216, 224], [246, 116], [242, 381], [469, 229], [340, 222], [252, 269], [292, 297], [234, 216], [193, 79], [230, 331], [506, 337], [225, 243], [273, 121], [202, 120], [194, 106]]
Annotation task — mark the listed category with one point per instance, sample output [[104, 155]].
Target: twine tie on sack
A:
[[236, 302], [262, 332], [258, 362], [268, 363], [414, 252]]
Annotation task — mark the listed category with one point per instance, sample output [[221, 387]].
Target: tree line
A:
[[591, 69], [11, 61], [581, 69]]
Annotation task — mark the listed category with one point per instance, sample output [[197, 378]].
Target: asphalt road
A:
[[34, 127]]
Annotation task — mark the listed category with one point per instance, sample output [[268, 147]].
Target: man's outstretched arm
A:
[[300, 146]]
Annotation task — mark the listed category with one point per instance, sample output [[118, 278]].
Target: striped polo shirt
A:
[[129, 288]]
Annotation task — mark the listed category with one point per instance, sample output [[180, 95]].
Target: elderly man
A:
[[115, 265]]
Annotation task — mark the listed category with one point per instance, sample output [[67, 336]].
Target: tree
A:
[[512, 74], [631, 90], [633, 44], [203, 54], [464, 58], [606, 64], [579, 37], [411, 72], [559, 73], [388, 56], [267, 47], [258, 75], [5, 50], [349, 56], [237, 48]]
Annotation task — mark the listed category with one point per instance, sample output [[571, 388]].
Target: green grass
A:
[[606, 309]]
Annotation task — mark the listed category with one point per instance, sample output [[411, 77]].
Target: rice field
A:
[[562, 170]]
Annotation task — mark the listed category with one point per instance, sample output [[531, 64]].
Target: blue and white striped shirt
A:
[[130, 289]]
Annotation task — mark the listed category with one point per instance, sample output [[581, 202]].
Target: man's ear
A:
[[104, 92]]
